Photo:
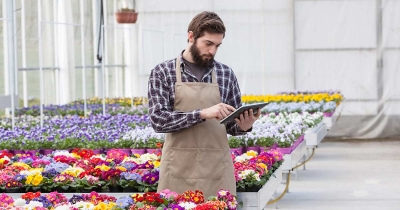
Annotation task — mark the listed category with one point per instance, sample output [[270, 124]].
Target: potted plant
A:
[[235, 143], [154, 144], [126, 12], [31, 146], [64, 183], [88, 183], [129, 181], [123, 145], [265, 143]]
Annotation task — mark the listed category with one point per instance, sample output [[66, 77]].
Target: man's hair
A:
[[206, 22]]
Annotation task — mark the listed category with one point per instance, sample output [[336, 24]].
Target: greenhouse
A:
[[213, 104]]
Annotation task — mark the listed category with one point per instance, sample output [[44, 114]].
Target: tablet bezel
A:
[[236, 114]]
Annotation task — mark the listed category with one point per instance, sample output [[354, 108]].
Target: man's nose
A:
[[212, 50]]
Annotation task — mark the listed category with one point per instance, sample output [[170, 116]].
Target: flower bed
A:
[[164, 200], [83, 171]]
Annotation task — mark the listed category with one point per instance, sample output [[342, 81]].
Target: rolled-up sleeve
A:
[[163, 118]]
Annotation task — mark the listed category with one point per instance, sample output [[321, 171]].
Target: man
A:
[[188, 96]]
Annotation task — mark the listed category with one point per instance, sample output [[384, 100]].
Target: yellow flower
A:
[[29, 179], [102, 206], [73, 171], [76, 156], [121, 168], [25, 166], [103, 167], [251, 153], [37, 180], [156, 164]]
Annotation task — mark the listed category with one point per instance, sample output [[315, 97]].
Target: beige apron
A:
[[197, 158]]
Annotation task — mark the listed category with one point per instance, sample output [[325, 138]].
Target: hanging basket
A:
[[126, 17]]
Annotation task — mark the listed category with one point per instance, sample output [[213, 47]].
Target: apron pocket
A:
[[182, 164], [211, 163]]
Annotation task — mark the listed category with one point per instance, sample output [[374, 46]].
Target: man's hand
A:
[[219, 111], [247, 119]]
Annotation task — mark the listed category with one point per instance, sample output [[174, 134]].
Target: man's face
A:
[[204, 49]]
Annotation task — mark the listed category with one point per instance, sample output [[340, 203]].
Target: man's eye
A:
[[208, 44]]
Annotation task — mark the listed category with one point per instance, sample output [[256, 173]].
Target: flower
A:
[[187, 205], [19, 202], [124, 202], [5, 199], [83, 205]]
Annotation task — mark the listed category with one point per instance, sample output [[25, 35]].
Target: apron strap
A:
[[179, 75], [178, 70]]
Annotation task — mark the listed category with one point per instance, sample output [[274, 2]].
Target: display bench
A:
[[251, 200], [313, 136], [69, 195], [258, 200], [291, 160], [330, 121]]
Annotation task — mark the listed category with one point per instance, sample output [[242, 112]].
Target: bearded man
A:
[[188, 96]]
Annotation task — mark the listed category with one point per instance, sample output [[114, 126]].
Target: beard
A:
[[205, 60]]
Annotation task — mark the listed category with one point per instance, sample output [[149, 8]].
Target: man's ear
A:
[[190, 37]]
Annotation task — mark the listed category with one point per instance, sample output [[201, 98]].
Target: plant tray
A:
[[291, 160], [314, 138], [258, 200], [330, 121]]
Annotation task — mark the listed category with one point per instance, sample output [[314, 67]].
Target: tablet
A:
[[236, 114]]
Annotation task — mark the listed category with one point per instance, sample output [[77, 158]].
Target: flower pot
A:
[[126, 17], [3, 150], [32, 152], [254, 188], [254, 148], [126, 151], [328, 114], [17, 151], [47, 151], [86, 190], [138, 151], [61, 190], [237, 151], [97, 151], [115, 188], [284, 150], [130, 189], [153, 151], [14, 190], [264, 149], [239, 189]]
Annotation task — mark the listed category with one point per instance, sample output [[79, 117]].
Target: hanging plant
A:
[[126, 13]]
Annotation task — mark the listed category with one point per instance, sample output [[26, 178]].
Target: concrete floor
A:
[[347, 174]]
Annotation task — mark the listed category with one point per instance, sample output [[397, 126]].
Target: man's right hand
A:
[[219, 111]]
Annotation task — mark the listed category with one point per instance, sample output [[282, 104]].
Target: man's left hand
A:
[[246, 120]]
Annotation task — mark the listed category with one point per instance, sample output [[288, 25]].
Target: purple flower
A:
[[175, 207]]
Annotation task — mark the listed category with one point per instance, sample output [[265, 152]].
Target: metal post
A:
[[96, 16], [83, 57], [10, 5], [105, 53], [23, 43], [102, 71], [57, 72], [40, 61]]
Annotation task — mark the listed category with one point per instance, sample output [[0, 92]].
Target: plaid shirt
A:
[[161, 93]]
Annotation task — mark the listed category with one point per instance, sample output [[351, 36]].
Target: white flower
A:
[[188, 205], [63, 207], [19, 202], [32, 205], [62, 152], [84, 205]]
